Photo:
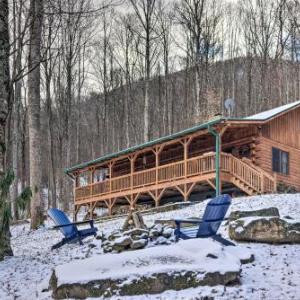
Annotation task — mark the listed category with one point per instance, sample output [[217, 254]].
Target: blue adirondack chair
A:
[[208, 226], [69, 230]]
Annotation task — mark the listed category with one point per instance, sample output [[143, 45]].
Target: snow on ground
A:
[[275, 273]]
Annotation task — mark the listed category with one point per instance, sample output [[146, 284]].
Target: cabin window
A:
[[280, 161]]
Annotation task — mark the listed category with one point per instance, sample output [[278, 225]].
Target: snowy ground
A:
[[275, 273]]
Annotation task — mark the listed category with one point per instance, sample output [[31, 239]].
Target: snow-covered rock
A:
[[167, 232], [265, 229], [264, 212], [151, 270], [138, 244]]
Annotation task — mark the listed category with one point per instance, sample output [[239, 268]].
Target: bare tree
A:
[[165, 22], [51, 27], [147, 19], [199, 19], [260, 32], [126, 58], [34, 100]]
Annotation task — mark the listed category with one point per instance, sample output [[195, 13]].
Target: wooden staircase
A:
[[246, 176], [243, 186]]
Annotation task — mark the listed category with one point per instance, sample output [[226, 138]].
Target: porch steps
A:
[[243, 186]]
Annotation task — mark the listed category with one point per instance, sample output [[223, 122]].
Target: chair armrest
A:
[[91, 222], [190, 221], [75, 223]]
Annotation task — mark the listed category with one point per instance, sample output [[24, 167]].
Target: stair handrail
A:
[[256, 169]]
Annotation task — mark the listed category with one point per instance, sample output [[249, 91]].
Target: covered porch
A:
[[208, 158]]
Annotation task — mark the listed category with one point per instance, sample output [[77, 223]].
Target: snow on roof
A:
[[273, 112]]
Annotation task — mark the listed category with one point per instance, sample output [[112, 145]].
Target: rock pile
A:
[[138, 238]]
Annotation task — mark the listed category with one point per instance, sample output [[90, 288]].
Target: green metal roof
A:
[[145, 145]]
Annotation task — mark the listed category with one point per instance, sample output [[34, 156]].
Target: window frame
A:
[[279, 165]]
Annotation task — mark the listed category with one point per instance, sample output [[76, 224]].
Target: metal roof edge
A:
[[294, 105]]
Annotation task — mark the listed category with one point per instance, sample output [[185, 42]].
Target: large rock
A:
[[265, 212], [265, 230], [155, 284], [153, 270]]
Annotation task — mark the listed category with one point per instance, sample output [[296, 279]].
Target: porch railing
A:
[[251, 175]]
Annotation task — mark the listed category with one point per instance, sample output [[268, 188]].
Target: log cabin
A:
[[247, 155]]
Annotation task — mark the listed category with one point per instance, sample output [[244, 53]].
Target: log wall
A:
[[283, 133]]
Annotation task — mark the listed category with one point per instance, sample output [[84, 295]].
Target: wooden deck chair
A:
[[69, 230], [208, 226]]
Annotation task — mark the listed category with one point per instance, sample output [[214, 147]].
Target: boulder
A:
[[154, 233], [138, 244], [142, 236], [115, 235], [265, 230], [120, 244], [107, 249], [162, 241], [156, 230], [123, 241], [159, 228], [136, 232], [167, 232], [265, 212]]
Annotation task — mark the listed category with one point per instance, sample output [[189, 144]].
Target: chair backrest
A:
[[60, 218], [213, 216]]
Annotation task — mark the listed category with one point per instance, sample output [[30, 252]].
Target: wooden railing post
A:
[[185, 157], [92, 170], [110, 165], [132, 160], [157, 151], [156, 163], [262, 183], [186, 142]]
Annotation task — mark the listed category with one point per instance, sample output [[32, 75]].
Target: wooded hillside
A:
[[89, 78]]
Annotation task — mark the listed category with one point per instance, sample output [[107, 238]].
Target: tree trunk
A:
[[51, 164], [34, 60], [146, 112], [5, 248]]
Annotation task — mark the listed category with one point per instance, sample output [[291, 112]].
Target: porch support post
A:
[[110, 168], [92, 170], [157, 151], [216, 134], [132, 159], [186, 143]]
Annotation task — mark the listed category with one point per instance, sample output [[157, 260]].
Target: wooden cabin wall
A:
[[264, 160], [283, 133], [284, 129]]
